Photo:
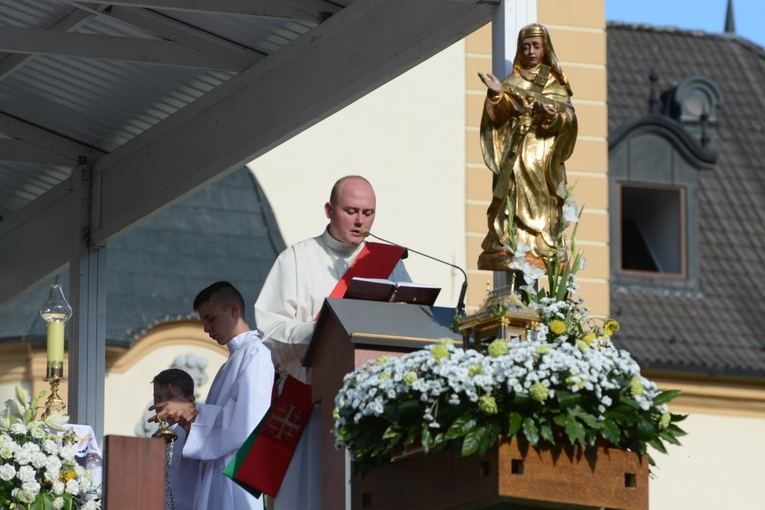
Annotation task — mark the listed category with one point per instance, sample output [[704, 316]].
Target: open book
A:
[[376, 289]]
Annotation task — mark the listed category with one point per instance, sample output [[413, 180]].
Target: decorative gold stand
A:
[[501, 315], [54, 375]]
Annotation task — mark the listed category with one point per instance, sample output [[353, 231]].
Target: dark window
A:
[[652, 233]]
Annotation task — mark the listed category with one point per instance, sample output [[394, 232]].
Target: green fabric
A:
[[236, 462]]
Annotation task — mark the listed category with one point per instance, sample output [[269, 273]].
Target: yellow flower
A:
[[336, 414], [539, 392], [445, 341], [497, 348], [439, 352], [487, 404], [557, 326], [611, 327], [410, 378], [636, 387], [383, 359], [582, 345], [664, 420], [475, 370], [543, 349], [384, 375], [588, 338]]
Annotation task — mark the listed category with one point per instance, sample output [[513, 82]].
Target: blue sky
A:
[[706, 15]]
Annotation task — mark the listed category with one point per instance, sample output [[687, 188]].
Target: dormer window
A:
[[652, 230], [653, 167]]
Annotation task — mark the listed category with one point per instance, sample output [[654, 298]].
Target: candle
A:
[[56, 311], [56, 342]]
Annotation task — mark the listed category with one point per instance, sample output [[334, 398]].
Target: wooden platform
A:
[[512, 475]]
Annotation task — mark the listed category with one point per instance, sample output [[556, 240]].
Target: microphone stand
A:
[[461, 302]]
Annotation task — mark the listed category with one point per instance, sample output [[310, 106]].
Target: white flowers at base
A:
[[35, 467]]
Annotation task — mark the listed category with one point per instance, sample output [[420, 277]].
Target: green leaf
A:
[[646, 429], [611, 432], [567, 398], [515, 423], [589, 419], [530, 431], [545, 430], [658, 445], [665, 396], [470, 442], [460, 427], [574, 430], [391, 433], [488, 438], [425, 438]]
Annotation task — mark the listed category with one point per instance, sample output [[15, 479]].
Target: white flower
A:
[[7, 472], [37, 429], [50, 447], [570, 212], [26, 474], [67, 455], [32, 486], [39, 459], [5, 420], [24, 496], [18, 428], [58, 503], [23, 456], [72, 487], [58, 487], [7, 451], [57, 421]]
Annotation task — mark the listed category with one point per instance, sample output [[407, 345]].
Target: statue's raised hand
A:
[[492, 83]]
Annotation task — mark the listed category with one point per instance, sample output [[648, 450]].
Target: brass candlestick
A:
[[54, 375]]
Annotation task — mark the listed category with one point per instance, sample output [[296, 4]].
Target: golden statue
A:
[[528, 131]]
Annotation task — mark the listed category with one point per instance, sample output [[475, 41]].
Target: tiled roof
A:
[[717, 330], [224, 232]]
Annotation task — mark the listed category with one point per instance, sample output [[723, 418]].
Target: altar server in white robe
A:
[[292, 295], [238, 399], [168, 384]]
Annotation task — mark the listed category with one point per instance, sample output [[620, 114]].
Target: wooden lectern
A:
[[134, 473], [348, 333]]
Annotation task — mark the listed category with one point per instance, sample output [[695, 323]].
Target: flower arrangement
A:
[[38, 470], [566, 383]]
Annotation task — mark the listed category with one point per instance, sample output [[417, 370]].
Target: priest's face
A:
[[219, 321], [353, 209]]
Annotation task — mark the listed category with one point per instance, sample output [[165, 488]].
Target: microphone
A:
[[364, 232]]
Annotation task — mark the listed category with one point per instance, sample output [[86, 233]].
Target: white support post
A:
[[87, 334], [509, 17]]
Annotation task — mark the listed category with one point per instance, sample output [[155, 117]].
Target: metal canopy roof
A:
[[152, 100]]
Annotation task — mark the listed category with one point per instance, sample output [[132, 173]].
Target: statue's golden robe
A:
[[526, 153]]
